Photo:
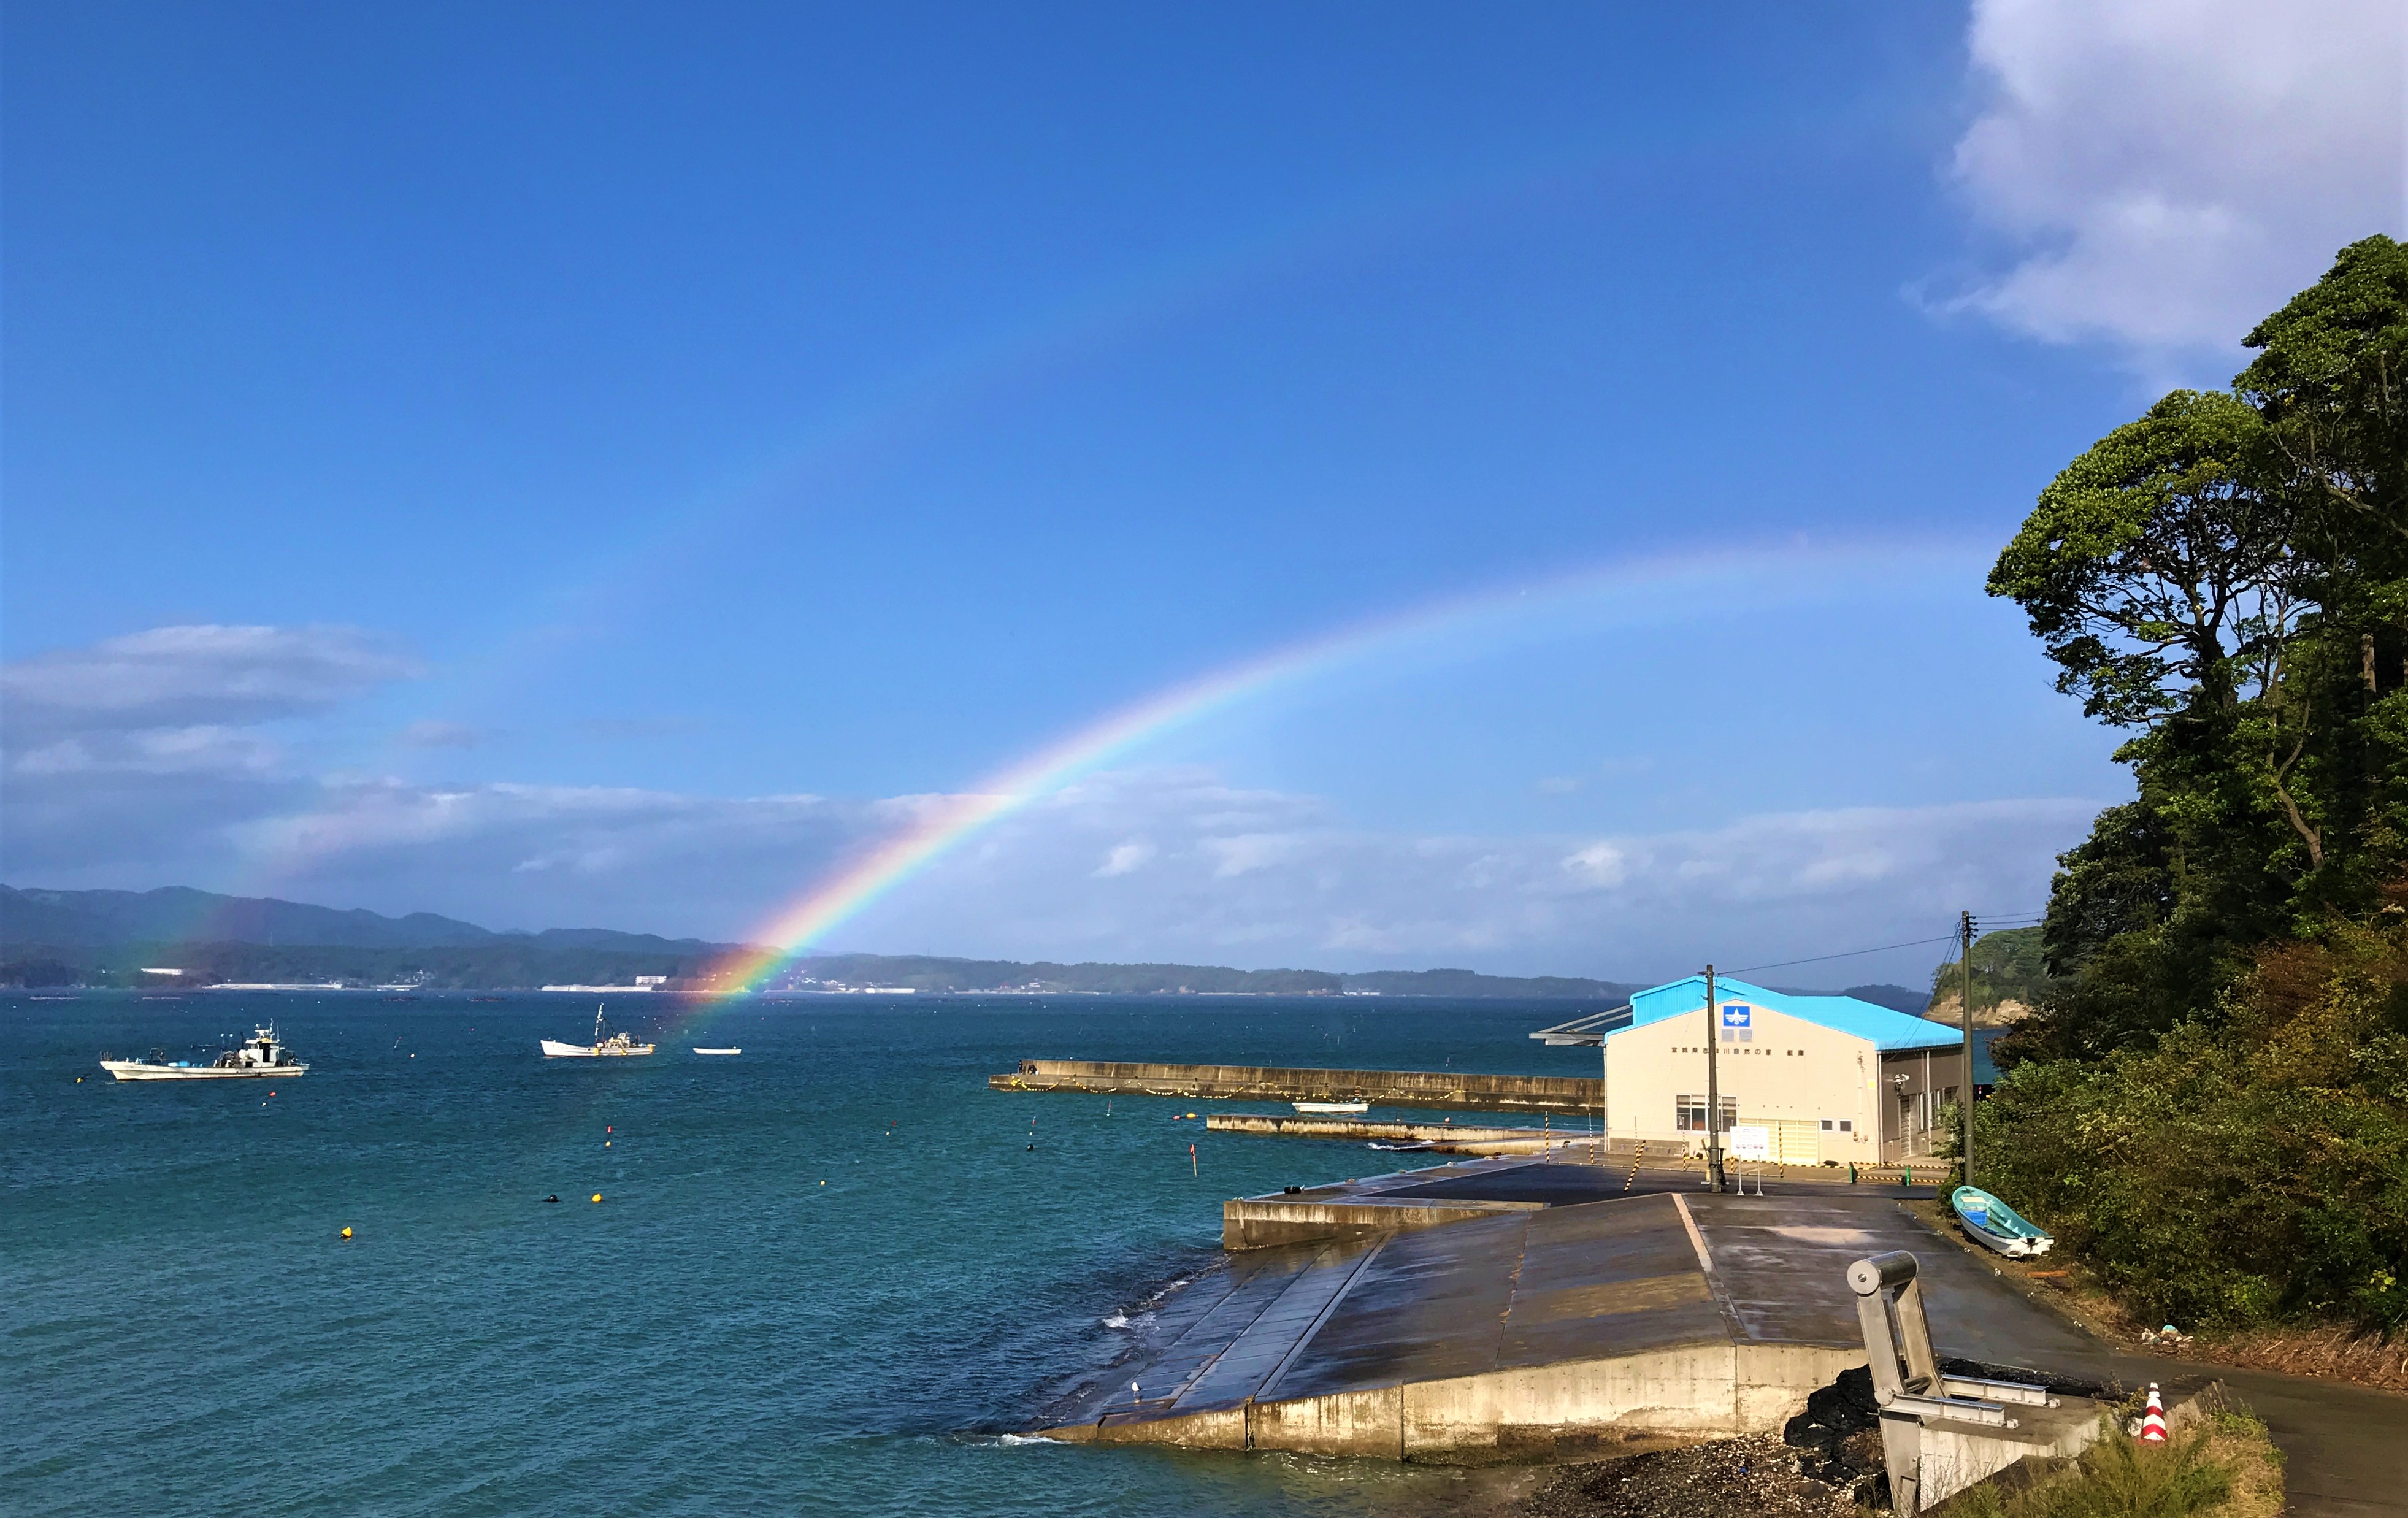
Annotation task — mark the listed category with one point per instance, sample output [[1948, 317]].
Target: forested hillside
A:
[[2010, 979], [2210, 1104]]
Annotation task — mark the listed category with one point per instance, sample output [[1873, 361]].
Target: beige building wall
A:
[[1793, 1073]]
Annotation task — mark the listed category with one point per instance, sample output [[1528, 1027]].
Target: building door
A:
[[1795, 1141]]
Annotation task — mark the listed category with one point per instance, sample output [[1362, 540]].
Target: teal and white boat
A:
[[1995, 1224]]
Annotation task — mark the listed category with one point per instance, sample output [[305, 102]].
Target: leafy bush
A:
[[2237, 1171], [2116, 1478]]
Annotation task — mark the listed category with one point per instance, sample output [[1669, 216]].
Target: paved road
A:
[[2346, 1447]]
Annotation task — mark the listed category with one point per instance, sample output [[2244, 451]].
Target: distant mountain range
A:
[[105, 937], [927, 973], [179, 914]]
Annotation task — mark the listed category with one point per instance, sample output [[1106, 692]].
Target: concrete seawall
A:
[[1386, 1088]]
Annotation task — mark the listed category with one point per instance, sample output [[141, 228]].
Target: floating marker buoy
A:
[[347, 1232], [822, 1182], [79, 1079], [605, 1143], [553, 1198], [598, 1196]]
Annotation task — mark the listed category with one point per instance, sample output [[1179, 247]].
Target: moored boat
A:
[[605, 1044], [701, 1051], [1996, 1225], [1332, 1107], [262, 1055]]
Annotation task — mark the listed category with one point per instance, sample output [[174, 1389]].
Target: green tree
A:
[[2224, 576], [2227, 578]]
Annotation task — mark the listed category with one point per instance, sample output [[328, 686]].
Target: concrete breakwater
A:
[[1442, 1137], [1453, 1089]]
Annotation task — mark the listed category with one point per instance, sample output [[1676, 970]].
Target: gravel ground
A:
[[1755, 1475]]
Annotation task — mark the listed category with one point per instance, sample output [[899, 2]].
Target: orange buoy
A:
[[346, 1232]]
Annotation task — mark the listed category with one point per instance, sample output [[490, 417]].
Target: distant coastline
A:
[[181, 938]]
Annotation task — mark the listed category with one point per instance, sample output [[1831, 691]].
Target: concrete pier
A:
[[1260, 1082], [1440, 1138], [1544, 1314]]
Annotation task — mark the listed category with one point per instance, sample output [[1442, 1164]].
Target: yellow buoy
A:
[[347, 1232], [598, 1196]]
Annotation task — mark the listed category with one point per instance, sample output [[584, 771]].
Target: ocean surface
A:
[[830, 1275]]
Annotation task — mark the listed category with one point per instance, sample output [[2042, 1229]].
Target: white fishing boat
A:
[[262, 1055], [605, 1044], [1332, 1107], [1993, 1223], [701, 1051]]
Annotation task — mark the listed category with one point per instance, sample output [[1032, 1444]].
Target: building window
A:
[[1826, 1124], [1689, 1114], [1846, 1126]]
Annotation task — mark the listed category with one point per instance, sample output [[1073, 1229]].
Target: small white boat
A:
[[701, 1051], [262, 1056], [1332, 1107], [1992, 1223], [605, 1044]]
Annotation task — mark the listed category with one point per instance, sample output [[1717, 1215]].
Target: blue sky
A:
[[579, 463]]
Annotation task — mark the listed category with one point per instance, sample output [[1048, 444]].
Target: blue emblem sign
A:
[[1735, 1014]]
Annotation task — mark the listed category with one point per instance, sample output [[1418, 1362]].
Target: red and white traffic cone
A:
[[2153, 1421]]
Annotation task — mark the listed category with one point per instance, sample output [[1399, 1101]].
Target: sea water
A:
[[834, 1274]]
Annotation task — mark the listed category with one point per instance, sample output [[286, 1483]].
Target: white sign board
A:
[[1751, 1141]]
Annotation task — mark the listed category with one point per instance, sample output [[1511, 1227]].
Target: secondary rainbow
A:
[[941, 823]]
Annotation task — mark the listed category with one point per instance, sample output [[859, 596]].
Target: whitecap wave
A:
[[1118, 1320]]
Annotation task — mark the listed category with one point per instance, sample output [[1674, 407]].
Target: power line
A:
[[2024, 919], [1852, 953]]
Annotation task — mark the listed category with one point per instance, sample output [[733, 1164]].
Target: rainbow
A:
[[939, 823]]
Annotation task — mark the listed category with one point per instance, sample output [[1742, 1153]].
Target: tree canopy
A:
[[2225, 576]]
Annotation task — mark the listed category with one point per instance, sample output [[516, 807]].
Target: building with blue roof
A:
[[1827, 1080]]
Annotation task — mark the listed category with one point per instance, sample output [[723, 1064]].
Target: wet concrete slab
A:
[[1606, 1295], [1781, 1263]]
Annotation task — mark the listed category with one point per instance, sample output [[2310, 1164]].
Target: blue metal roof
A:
[[1889, 1031]]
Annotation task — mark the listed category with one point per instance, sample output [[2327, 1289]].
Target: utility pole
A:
[[1714, 1090], [1965, 936]]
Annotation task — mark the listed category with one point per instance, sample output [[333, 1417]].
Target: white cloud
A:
[[1601, 863], [1191, 867], [1313, 892], [194, 676], [2169, 171], [1247, 852], [1125, 857]]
